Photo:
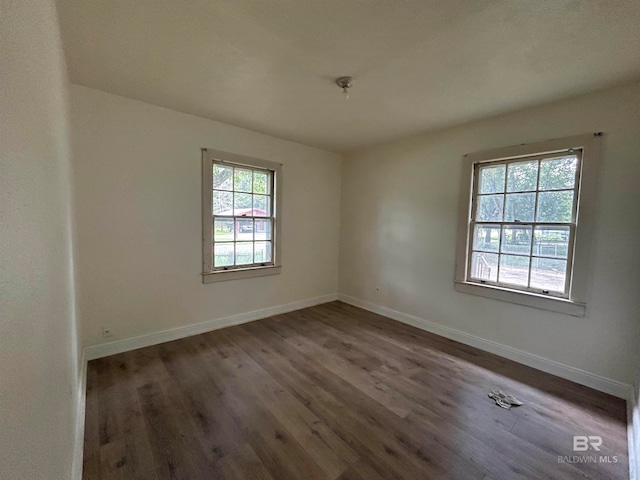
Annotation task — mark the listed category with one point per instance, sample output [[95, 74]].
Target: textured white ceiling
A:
[[269, 65]]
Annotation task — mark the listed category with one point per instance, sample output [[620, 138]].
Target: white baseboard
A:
[[81, 403], [597, 382], [105, 349]]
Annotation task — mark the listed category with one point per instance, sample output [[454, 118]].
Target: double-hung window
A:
[[526, 223], [241, 198]]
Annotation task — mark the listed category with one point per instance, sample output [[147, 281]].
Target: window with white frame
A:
[[523, 225], [523, 222], [240, 216]]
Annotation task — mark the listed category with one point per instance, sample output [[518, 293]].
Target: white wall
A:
[[399, 214], [137, 169], [38, 359]]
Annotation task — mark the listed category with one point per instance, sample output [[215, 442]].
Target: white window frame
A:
[[209, 272], [575, 300]]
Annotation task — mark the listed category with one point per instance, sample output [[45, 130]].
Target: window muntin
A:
[[243, 215], [523, 222]]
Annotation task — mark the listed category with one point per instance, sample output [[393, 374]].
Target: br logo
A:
[[582, 443]]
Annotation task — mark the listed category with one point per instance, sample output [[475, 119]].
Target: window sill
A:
[[223, 275], [559, 305]]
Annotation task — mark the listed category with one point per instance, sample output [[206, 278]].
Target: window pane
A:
[[242, 180], [222, 254], [244, 229], [486, 237], [262, 252], [222, 203], [551, 242], [490, 208], [522, 177], [242, 204], [558, 173], [520, 207], [484, 266], [514, 270], [261, 205], [491, 179], [244, 253], [223, 230], [262, 230], [555, 206], [222, 177], [548, 274], [516, 240], [260, 183]]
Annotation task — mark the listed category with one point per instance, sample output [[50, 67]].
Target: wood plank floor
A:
[[335, 392]]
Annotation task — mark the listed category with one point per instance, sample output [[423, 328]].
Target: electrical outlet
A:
[[106, 332]]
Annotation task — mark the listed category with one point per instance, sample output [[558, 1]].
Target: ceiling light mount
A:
[[345, 83]]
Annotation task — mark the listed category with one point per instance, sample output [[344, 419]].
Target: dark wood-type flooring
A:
[[336, 392]]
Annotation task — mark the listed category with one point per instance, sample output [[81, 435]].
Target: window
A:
[[525, 230], [241, 198]]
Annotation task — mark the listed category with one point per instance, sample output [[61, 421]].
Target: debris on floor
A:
[[504, 400]]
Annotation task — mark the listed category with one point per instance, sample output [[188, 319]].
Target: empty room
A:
[[319, 240]]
